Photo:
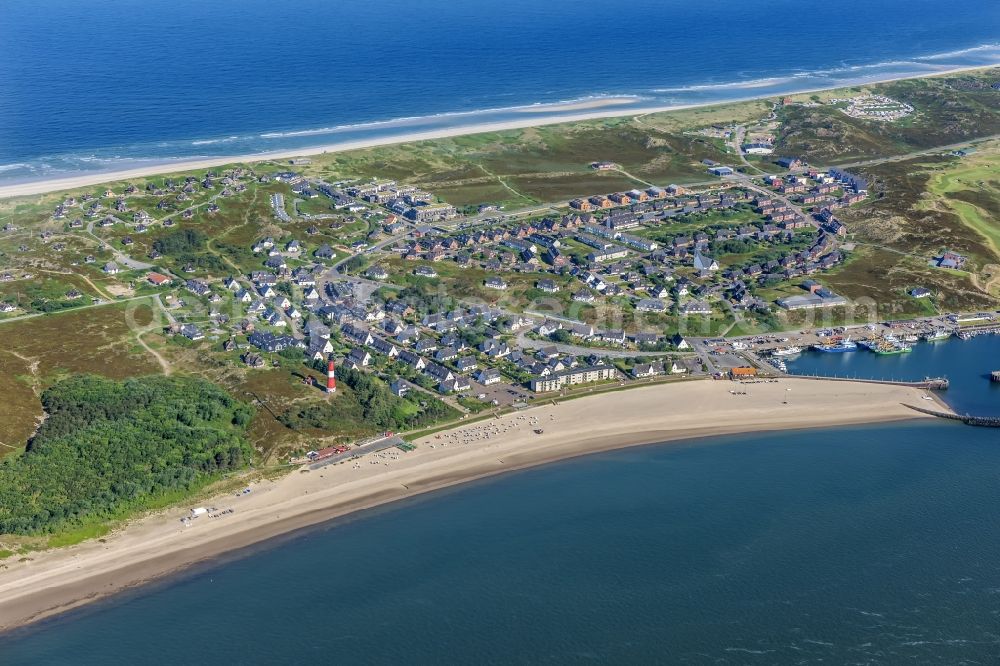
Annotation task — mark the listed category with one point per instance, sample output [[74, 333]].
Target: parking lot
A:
[[503, 393]]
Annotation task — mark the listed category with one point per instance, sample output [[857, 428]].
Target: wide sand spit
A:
[[49, 582]]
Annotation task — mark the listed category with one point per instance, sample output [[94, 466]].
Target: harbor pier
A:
[[929, 384]]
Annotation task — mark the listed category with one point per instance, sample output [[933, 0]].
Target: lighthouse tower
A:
[[331, 378]]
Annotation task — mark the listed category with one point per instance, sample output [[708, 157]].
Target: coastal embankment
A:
[[50, 582]]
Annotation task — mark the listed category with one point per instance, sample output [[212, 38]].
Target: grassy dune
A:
[[972, 190]]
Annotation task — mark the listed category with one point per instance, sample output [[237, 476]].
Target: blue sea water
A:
[[861, 545], [874, 545], [966, 364], [857, 545], [95, 86]]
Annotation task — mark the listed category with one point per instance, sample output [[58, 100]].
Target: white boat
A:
[[937, 334], [787, 351], [778, 363]]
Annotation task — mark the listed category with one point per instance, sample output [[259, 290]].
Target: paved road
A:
[[739, 180], [918, 153], [523, 341], [163, 309], [701, 348], [737, 145], [120, 256]]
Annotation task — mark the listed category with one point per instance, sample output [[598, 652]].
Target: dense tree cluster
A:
[[187, 247], [563, 336], [40, 305], [356, 263], [106, 446], [369, 404], [180, 242], [732, 246]]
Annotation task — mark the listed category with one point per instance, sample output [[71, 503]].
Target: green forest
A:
[[107, 446]]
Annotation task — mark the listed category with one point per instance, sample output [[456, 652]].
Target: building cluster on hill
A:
[[405, 200], [616, 246], [874, 107]]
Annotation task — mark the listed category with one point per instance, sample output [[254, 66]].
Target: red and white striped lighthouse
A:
[[331, 378]]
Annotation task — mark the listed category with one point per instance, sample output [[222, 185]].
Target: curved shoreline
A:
[[157, 546], [532, 116]]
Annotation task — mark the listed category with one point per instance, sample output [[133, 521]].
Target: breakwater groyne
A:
[[967, 419]]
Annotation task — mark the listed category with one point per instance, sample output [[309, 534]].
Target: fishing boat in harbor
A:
[[975, 331], [786, 351], [886, 345], [838, 346], [778, 364], [893, 349], [937, 335]]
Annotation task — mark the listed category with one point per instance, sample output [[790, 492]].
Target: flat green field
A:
[[544, 164], [972, 189]]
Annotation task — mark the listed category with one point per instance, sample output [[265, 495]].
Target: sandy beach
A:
[[578, 106], [53, 581], [533, 116]]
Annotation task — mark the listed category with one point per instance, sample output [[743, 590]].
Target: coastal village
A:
[[480, 309], [201, 360], [304, 294]]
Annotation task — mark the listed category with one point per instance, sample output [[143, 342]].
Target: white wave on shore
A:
[[850, 74], [588, 101], [601, 104], [209, 142]]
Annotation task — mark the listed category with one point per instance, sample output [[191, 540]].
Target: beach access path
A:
[[49, 582]]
